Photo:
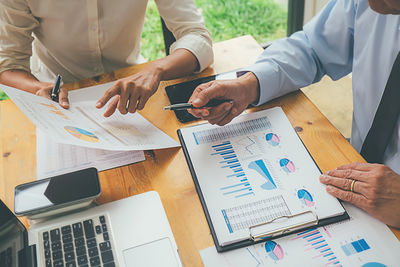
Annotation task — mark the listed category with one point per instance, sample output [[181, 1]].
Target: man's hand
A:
[[376, 189], [242, 92], [44, 89], [131, 93]]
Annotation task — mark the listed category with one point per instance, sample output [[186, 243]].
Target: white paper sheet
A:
[[361, 241], [54, 159], [84, 125], [253, 170]]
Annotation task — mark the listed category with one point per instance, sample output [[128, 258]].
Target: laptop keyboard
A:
[[6, 257], [86, 243]]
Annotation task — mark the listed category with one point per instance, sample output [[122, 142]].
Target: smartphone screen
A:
[[181, 92], [62, 189]]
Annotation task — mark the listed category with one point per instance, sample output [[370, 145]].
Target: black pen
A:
[[56, 89], [184, 106]]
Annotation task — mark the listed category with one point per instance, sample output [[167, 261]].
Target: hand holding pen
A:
[[185, 106], [58, 94], [241, 92], [56, 89]]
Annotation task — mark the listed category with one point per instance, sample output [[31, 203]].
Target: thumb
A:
[[205, 95], [63, 98]]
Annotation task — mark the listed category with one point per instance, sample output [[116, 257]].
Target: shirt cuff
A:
[[198, 46], [268, 82]]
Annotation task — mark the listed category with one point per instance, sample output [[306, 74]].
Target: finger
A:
[[114, 90], [198, 90], [219, 112], [360, 166], [112, 107], [133, 101], [142, 101], [353, 198], [227, 119], [199, 113], [205, 94], [236, 110], [124, 95], [63, 98], [351, 174], [345, 184]]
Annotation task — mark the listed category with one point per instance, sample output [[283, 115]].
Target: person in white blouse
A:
[[81, 39], [357, 36]]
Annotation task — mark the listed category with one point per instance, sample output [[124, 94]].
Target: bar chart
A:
[[316, 243], [355, 247], [237, 183]]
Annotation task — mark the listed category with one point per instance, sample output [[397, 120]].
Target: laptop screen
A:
[[12, 237]]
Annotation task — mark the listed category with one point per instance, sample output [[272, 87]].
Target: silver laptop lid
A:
[[14, 249]]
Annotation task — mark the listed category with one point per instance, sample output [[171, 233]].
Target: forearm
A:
[[180, 63], [20, 79]]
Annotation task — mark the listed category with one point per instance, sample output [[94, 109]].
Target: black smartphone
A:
[[181, 92], [66, 191]]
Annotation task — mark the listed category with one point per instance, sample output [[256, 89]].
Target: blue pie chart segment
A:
[[373, 264], [287, 165], [259, 166], [274, 250], [272, 139], [305, 197]]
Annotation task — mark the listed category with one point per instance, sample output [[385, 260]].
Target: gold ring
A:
[[352, 186]]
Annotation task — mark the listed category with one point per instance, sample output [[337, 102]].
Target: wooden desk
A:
[[165, 171]]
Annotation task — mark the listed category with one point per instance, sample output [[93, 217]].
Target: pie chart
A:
[[374, 264], [305, 197], [287, 165], [272, 139], [82, 134], [274, 250]]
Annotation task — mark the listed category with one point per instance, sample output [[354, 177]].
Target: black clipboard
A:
[[249, 241]]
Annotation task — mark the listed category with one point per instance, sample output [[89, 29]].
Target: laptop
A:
[[129, 232]]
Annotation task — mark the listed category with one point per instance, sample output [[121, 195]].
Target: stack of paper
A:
[[84, 128]]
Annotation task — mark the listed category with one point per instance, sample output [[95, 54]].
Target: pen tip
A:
[[167, 108]]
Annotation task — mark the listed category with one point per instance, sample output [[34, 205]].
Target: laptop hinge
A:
[[27, 257]]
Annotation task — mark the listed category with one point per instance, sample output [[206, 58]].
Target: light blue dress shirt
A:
[[346, 36]]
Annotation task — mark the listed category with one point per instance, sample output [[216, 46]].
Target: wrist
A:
[[158, 69], [252, 87]]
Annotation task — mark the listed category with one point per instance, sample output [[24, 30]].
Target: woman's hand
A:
[[131, 93]]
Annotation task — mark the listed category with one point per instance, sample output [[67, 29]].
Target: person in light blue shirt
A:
[[348, 36]]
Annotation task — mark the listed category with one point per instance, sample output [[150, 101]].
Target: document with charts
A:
[[255, 176], [361, 241], [84, 125], [55, 159]]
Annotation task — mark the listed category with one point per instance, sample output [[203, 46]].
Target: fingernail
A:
[[205, 113], [329, 188], [226, 108], [196, 101], [65, 103], [98, 104]]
